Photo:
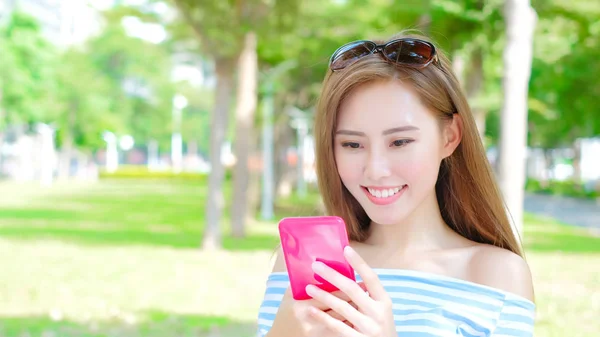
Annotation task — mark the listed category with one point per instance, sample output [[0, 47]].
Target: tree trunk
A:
[[245, 111], [192, 148], [458, 66], [1, 156], [215, 200], [254, 187], [67, 146], [424, 23], [549, 167], [577, 161], [520, 21], [285, 173], [3, 124], [67, 151], [474, 86]]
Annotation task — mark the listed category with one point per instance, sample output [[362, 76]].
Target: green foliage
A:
[[139, 73], [564, 88], [113, 82], [219, 26], [84, 102], [27, 69], [122, 83], [197, 123], [566, 188]]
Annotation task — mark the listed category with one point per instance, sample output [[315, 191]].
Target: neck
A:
[[423, 230]]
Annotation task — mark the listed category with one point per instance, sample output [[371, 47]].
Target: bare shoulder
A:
[[279, 265], [502, 269]]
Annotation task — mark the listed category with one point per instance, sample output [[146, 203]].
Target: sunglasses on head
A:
[[407, 52]]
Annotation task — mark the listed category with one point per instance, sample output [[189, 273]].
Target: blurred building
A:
[[63, 22]]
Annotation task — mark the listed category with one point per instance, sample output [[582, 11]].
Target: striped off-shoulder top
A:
[[427, 304]]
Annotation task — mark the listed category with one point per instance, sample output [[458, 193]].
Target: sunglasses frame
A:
[[375, 48]]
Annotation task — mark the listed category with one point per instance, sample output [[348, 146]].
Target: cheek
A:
[[348, 167], [418, 168]]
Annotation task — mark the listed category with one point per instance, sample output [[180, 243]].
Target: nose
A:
[[377, 166]]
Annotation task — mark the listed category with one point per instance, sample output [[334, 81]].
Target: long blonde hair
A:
[[468, 195]]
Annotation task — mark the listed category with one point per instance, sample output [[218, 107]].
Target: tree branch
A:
[[185, 13]]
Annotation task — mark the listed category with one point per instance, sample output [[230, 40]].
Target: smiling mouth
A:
[[383, 193], [383, 196]]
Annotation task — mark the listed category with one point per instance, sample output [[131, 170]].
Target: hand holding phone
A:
[[305, 240]]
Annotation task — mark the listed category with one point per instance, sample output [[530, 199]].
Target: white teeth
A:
[[384, 193]]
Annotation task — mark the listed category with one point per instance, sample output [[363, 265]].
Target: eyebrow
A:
[[385, 132]]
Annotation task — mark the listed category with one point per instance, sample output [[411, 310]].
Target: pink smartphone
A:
[[305, 240]]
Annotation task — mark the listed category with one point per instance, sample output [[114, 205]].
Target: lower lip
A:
[[385, 201]]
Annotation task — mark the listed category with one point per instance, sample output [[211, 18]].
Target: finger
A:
[[344, 284], [333, 324], [319, 329], [348, 323], [337, 294], [369, 277], [335, 315], [343, 308], [341, 295]]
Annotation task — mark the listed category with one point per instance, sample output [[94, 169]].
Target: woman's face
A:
[[388, 149]]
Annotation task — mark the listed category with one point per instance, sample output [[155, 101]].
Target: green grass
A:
[[565, 263], [121, 258], [164, 214]]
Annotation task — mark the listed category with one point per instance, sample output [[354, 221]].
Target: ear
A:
[[452, 135]]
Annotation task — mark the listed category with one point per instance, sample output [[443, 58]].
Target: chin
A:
[[388, 218], [387, 215]]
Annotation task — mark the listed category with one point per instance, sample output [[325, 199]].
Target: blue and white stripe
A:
[[427, 305]]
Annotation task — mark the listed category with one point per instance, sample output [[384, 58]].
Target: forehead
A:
[[382, 105]]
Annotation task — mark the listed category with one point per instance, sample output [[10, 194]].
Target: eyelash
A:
[[402, 142], [349, 144], [396, 143]]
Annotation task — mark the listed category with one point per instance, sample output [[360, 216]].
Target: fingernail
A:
[[309, 288], [348, 250], [318, 266]]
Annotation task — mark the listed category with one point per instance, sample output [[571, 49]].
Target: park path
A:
[[578, 212]]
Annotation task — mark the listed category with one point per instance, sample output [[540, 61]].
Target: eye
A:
[[351, 145], [401, 142]]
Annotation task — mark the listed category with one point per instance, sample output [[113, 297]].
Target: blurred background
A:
[[149, 148]]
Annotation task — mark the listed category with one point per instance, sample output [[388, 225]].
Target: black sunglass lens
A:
[[348, 55], [409, 52]]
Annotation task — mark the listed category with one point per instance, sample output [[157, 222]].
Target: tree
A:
[[564, 85], [469, 31], [211, 24], [140, 94], [26, 72], [520, 23], [222, 28], [83, 106], [244, 134], [196, 120]]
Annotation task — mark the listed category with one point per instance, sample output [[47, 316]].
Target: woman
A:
[[399, 158]]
